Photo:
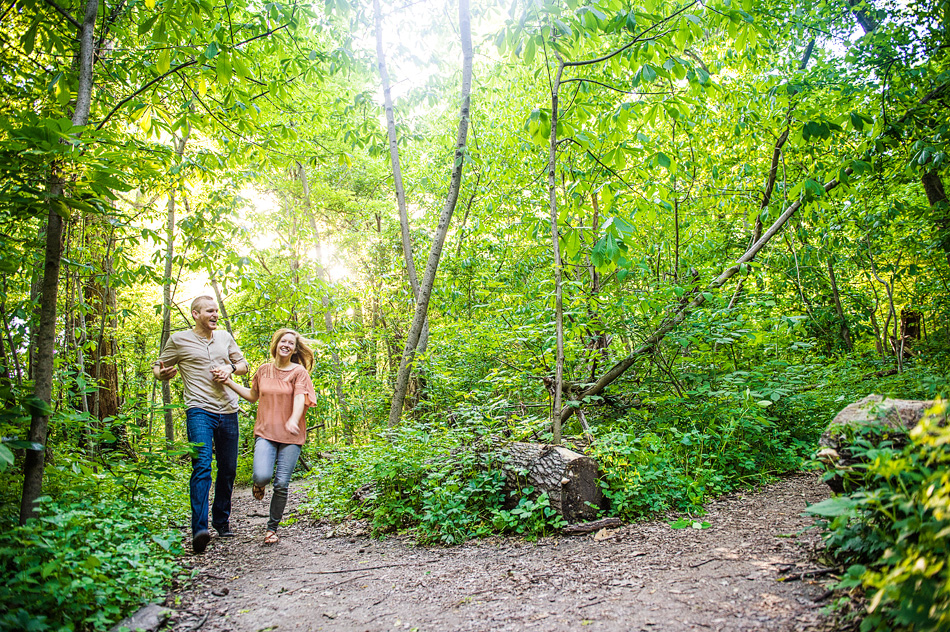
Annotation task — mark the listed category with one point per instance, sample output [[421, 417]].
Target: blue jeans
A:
[[277, 461], [219, 430]]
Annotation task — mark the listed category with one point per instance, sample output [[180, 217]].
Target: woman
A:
[[285, 392]]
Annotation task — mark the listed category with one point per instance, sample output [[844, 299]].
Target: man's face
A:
[[206, 316]]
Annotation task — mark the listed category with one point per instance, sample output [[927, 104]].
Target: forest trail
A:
[[644, 576]]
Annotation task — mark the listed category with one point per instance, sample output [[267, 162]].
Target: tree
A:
[[438, 240]]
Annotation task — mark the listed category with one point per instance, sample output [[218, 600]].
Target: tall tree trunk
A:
[[168, 291], [100, 297], [844, 332], [455, 184], [167, 298], [406, 237], [327, 310], [46, 336], [556, 253], [937, 196], [8, 335]]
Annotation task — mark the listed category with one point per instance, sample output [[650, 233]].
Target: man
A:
[[206, 358]]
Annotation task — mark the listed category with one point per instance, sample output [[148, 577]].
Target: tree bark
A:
[[568, 478], [8, 334], [100, 297], [406, 237], [844, 331], [46, 335], [556, 253], [432, 265], [937, 196]]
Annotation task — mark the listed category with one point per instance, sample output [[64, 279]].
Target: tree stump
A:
[[569, 478]]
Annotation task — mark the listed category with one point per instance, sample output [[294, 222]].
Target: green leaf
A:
[[832, 507], [24, 445], [649, 74], [563, 28], [223, 69], [212, 51], [530, 48], [164, 61], [663, 160], [857, 121], [147, 25], [29, 39], [35, 405], [6, 457]]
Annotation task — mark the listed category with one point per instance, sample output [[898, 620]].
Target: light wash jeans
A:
[[277, 461]]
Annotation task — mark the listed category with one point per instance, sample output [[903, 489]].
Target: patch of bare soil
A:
[[749, 570]]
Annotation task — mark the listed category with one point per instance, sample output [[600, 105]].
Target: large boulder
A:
[[868, 422]]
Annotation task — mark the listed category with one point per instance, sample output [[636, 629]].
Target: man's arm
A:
[[162, 372], [236, 363], [223, 372]]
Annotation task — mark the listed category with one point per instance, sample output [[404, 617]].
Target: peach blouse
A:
[[277, 388]]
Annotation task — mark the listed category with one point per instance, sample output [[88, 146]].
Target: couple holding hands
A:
[[207, 360]]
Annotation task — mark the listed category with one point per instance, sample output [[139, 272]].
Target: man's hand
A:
[[165, 373], [221, 373]]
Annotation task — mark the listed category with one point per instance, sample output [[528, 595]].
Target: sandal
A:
[[258, 491], [271, 538]]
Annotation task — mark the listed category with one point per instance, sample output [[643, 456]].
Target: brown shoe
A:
[[258, 491]]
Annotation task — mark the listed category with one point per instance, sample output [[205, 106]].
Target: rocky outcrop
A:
[[872, 420]]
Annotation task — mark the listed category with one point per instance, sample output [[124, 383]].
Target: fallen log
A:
[[589, 527], [568, 478]]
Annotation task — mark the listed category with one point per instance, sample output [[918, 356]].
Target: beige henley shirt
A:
[[195, 357]]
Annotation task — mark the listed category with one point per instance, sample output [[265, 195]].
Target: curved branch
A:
[[143, 89], [66, 14], [637, 39], [683, 311], [176, 69]]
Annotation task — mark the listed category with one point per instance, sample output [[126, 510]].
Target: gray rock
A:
[[875, 417], [148, 619]]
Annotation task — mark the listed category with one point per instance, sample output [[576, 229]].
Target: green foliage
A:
[[444, 486], [895, 533], [82, 564], [684, 453], [532, 517]]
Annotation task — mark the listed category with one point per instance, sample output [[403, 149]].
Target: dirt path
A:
[[644, 576]]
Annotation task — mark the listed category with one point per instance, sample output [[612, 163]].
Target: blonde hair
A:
[[302, 355], [201, 300]]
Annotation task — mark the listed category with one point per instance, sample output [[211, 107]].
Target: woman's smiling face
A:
[[286, 346]]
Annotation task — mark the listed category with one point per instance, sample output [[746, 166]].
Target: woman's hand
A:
[[292, 427]]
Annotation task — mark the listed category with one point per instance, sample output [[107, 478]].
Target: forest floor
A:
[[751, 569]]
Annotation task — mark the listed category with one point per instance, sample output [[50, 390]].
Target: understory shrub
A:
[[442, 485], [81, 564], [683, 453], [895, 533]]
